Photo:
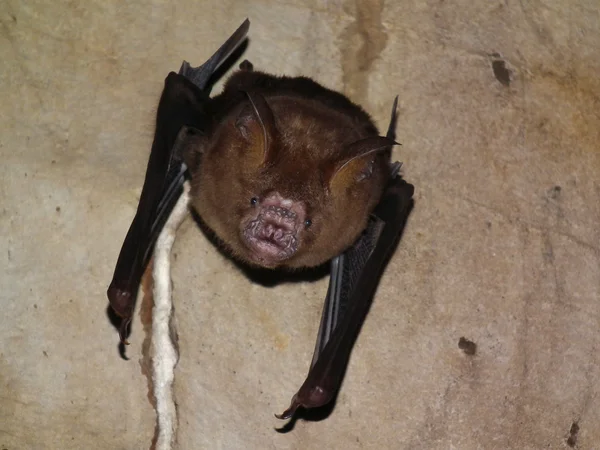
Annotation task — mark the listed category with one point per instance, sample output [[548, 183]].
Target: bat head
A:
[[289, 183]]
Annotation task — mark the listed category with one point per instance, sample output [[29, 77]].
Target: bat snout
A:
[[272, 235], [286, 207]]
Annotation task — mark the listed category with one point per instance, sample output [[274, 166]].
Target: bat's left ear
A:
[[357, 164], [256, 123]]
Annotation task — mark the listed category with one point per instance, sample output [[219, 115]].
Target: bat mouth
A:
[[272, 234]]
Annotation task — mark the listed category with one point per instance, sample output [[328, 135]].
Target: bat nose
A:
[[286, 203], [277, 221], [290, 208]]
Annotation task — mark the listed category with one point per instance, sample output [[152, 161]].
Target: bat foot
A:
[[123, 333], [124, 330], [289, 413], [121, 300], [122, 351]]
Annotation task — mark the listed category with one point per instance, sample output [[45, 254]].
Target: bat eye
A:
[[307, 223], [253, 201]]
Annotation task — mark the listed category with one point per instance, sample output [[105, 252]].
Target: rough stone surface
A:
[[499, 117]]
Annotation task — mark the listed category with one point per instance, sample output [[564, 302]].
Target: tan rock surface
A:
[[501, 247]]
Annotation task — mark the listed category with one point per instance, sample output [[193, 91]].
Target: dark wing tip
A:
[[391, 131]]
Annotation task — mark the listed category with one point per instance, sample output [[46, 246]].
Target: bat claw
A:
[[124, 331], [395, 169], [288, 413]]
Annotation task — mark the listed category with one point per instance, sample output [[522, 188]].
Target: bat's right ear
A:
[[356, 163], [256, 124]]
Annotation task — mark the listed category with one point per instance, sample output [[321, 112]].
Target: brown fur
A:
[[305, 158]]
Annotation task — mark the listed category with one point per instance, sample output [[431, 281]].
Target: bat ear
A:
[[357, 164], [256, 124]]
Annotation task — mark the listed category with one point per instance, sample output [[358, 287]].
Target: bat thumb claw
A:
[[124, 331], [288, 413], [395, 169]]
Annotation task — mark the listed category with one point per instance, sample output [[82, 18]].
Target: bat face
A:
[[286, 180]]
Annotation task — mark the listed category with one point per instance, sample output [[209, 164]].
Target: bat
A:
[[287, 174]]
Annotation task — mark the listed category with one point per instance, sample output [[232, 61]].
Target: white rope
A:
[[164, 353]]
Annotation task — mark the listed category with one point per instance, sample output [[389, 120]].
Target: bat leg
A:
[[181, 105], [354, 278]]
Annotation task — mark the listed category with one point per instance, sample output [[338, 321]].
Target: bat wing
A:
[[354, 278], [180, 112]]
